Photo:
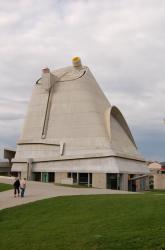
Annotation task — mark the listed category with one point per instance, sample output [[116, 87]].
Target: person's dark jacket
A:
[[17, 184]]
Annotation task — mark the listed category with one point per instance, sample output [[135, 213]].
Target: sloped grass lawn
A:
[[102, 222], [4, 187]]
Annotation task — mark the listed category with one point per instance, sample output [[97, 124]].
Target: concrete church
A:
[[72, 134]]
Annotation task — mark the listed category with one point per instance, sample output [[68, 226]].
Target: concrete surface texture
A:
[[39, 190], [70, 118], [159, 181], [154, 167]]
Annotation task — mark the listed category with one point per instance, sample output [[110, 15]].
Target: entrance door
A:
[[37, 176], [83, 178], [131, 183], [113, 181], [51, 177], [44, 177], [74, 176]]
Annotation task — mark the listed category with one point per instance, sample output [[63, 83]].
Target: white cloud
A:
[[121, 41]]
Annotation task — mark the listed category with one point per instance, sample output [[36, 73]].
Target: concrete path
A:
[[39, 190]]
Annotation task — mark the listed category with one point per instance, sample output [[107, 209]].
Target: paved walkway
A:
[[39, 190]]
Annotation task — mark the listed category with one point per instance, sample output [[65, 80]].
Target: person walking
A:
[[23, 186], [16, 187]]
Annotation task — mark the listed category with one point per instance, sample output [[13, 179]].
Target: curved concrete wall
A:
[[69, 117]]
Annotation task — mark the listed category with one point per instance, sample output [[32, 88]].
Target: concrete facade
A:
[[159, 181], [124, 184], [99, 180], [71, 127], [154, 167], [60, 177], [5, 168], [6, 155], [157, 175]]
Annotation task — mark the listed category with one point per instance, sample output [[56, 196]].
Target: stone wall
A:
[[60, 176], [159, 181], [5, 168], [124, 182], [99, 180]]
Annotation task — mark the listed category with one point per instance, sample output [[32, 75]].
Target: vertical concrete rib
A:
[[47, 113]]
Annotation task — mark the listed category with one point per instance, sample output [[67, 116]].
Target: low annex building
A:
[[6, 156], [72, 134], [157, 175]]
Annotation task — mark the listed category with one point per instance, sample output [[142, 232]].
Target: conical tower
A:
[[69, 119]]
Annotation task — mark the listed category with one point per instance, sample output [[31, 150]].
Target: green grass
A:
[[4, 187], [101, 222], [158, 191]]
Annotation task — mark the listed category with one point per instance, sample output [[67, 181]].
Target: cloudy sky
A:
[[122, 41]]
